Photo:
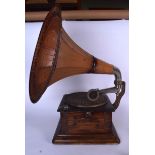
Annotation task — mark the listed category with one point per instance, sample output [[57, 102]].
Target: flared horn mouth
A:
[[45, 56], [57, 56]]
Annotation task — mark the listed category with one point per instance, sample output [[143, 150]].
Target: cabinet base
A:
[[104, 138]]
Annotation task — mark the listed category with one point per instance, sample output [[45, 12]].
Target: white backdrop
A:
[[107, 40]]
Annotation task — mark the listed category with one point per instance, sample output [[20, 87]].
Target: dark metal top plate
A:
[[79, 102]]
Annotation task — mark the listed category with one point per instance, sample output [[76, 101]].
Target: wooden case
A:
[[85, 126]]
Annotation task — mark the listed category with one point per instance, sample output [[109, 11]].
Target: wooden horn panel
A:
[[72, 59], [57, 56], [45, 56]]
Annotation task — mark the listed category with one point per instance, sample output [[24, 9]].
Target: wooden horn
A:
[[57, 56]]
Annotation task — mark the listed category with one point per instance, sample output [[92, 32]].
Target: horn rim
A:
[[34, 93]]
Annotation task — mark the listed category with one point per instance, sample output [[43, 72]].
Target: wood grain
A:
[[75, 128], [81, 14], [57, 56]]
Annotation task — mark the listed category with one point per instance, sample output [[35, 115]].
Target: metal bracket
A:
[[119, 89]]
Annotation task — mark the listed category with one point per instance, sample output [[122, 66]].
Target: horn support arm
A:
[[119, 88]]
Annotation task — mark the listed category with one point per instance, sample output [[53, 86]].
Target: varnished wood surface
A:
[[85, 127], [45, 54], [80, 14], [57, 56], [80, 123], [110, 137]]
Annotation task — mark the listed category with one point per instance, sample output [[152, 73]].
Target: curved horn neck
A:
[[101, 67], [73, 60]]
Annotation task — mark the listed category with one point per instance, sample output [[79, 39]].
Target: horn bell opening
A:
[[45, 55]]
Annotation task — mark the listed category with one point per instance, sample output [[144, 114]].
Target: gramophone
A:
[[85, 117]]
